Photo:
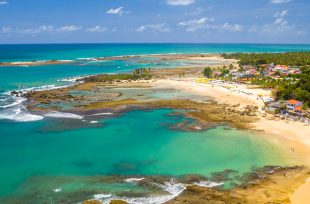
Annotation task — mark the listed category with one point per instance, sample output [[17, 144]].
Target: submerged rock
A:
[[91, 202], [118, 202], [266, 185]]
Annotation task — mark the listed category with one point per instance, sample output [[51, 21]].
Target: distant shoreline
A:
[[171, 56]]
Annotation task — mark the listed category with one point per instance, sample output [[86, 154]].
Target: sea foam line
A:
[[19, 115], [16, 111], [56, 114], [208, 184], [172, 188]]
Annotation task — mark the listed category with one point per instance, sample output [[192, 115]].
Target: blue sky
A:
[[186, 21]]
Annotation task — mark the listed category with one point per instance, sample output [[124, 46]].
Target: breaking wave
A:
[[12, 104], [172, 189], [56, 114]]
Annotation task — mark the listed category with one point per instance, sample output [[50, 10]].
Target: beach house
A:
[[294, 105]]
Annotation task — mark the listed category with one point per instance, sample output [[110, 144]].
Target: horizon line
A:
[[77, 43]]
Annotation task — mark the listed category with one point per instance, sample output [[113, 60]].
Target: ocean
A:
[[30, 52], [54, 158]]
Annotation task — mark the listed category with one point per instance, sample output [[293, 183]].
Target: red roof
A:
[[298, 108], [293, 101]]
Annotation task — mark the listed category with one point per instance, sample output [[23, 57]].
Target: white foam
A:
[[57, 190], [208, 184], [93, 122], [19, 115], [56, 114], [101, 196], [17, 101], [40, 88], [65, 60], [88, 59], [71, 79], [16, 111], [98, 114], [130, 180], [173, 189]]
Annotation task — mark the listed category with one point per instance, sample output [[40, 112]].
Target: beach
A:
[[291, 137], [155, 102], [176, 105], [294, 134]]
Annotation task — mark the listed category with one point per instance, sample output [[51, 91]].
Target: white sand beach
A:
[[295, 135]]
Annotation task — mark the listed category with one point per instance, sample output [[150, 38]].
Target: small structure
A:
[[294, 105], [267, 99]]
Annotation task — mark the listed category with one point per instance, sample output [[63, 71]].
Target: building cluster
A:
[[290, 108], [267, 70]]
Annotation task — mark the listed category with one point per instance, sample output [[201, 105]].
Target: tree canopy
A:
[[288, 58], [207, 72]]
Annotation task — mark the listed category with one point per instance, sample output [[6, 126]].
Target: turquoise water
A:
[[136, 143], [13, 77], [74, 51], [40, 155]]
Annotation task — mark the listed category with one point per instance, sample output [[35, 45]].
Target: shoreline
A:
[[289, 134], [171, 56], [292, 134], [278, 128]]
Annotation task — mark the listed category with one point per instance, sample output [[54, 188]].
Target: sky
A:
[[155, 21]]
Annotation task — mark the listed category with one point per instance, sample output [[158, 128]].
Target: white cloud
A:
[[198, 11], [141, 28], [116, 11], [44, 28], [279, 1], [3, 2], [280, 14], [229, 27], [97, 29], [180, 2], [6, 30], [159, 27], [69, 28], [279, 25], [193, 25], [280, 21], [40, 29]]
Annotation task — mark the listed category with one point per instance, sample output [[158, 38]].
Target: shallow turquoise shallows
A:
[[136, 143]]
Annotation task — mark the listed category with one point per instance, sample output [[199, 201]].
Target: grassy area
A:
[[135, 75]]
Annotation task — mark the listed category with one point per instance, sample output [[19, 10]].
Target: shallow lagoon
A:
[[139, 143]]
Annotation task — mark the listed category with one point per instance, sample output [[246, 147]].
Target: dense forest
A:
[[288, 58]]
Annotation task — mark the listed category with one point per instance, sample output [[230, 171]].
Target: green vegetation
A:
[[289, 58], [137, 74], [298, 88], [292, 87], [207, 72], [224, 71]]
